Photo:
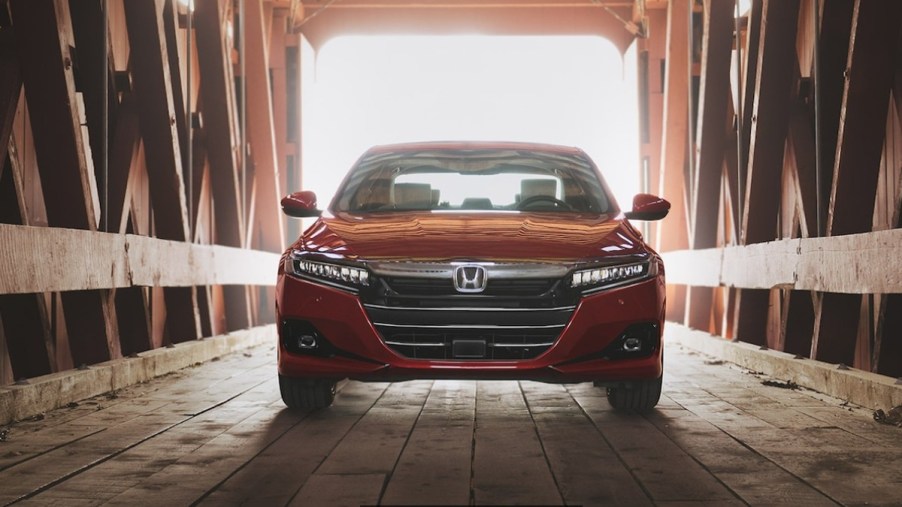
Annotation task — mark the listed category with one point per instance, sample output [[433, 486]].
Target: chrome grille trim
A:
[[465, 326], [470, 309], [414, 344], [518, 345], [445, 270]]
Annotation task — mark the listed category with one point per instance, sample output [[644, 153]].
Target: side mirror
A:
[[300, 205], [648, 207]]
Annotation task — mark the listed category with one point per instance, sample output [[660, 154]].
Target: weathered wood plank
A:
[[267, 480], [435, 466], [652, 458], [112, 260], [718, 437], [856, 264], [576, 453], [753, 478], [509, 464], [355, 489], [381, 434], [157, 440]]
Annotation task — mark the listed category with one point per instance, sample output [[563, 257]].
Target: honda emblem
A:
[[470, 278]]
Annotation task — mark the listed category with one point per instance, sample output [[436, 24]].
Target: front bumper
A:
[[598, 320]]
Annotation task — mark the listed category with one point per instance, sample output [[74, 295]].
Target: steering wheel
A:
[[529, 201]]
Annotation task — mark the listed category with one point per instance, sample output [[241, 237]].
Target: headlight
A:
[[346, 275], [610, 276]]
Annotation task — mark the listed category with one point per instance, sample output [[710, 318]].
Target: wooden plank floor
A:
[[218, 434]]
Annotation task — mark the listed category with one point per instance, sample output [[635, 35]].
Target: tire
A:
[[641, 397], [306, 394]]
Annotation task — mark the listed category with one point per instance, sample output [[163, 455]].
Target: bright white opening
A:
[[561, 90]]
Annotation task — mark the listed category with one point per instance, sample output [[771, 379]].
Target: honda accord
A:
[[471, 260]]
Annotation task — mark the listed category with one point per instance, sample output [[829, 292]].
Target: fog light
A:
[[307, 341], [302, 337], [632, 344], [636, 341]]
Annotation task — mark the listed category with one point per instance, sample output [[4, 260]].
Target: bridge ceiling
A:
[[617, 21]]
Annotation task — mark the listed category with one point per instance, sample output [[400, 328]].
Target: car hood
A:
[[489, 236]]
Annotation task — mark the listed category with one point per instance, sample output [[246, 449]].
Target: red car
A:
[[471, 261]]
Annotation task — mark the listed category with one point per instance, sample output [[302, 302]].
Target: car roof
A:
[[474, 145]]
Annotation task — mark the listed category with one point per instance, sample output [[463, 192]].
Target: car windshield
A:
[[512, 180]]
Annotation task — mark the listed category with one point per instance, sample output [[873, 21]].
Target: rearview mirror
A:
[[648, 207], [300, 204]]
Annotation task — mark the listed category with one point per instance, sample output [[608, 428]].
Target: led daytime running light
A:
[[608, 275], [346, 274]]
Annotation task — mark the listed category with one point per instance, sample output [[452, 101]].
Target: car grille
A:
[[426, 318], [497, 288], [496, 346]]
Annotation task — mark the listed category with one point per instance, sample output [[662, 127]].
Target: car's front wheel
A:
[[306, 394], [641, 396]]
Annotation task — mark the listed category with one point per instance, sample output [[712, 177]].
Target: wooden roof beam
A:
[[154, 86], [220, 130], [747, 88], [870, 70], [712, 120], [862, 122], [711, 135], [770, 119], [674, 235], [834, 35], [676, 125], [261, 132], [775, 69], [44, 40], [156, 109], [10, 88], [220, 119]]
